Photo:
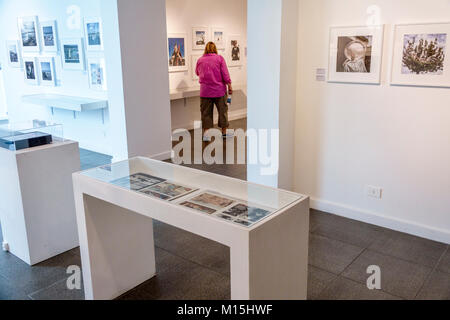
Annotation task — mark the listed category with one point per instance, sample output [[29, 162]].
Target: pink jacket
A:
[[214, 76]]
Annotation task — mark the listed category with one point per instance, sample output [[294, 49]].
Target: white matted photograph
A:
[[93, 31], [177, 50], [29, 33], [49, 38], [194, 60], [421, 55], [13, 53], [72, 54], [235, 52], [97, 74], [200, 37], [31, 72], [218, 37], [355, 54], [47, 74]]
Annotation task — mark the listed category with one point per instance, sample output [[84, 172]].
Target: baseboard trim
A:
[[401, 225], [232, 115]]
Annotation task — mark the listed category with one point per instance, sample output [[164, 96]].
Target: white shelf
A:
[[177, 94], [57, 101]]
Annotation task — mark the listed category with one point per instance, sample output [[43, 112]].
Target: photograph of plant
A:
[[424, 54]]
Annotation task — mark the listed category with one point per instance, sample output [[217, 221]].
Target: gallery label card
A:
[[321, 74]]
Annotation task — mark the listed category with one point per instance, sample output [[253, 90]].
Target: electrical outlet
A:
[[374, 192]]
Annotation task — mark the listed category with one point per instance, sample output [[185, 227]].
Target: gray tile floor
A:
[[191, 267]]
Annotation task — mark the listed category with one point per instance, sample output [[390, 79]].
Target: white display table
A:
[[36, 200], [266, 229]]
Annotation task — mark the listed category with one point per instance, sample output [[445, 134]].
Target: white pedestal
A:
[[36, 200], [269, 260]]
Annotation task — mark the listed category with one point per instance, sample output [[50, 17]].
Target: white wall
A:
[[182, 15], [88, 128], [3, 109], [349, 136]]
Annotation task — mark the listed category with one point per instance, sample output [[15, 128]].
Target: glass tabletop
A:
[[225, 198]]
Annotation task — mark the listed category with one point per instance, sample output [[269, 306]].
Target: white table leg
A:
[[273, 262], [117, 248]]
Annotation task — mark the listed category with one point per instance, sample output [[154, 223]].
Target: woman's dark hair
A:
[[211, 48]]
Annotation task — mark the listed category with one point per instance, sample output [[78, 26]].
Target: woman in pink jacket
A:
[[214, 79]]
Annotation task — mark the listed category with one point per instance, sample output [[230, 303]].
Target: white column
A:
[[272, 64], [138, 78]]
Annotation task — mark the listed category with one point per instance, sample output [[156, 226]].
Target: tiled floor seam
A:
[[380, 290], [340, 274], [379, 252], [40, 290], [193, 262], [431, 272]]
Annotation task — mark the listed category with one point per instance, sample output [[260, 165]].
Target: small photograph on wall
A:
[[13, 53], [93, 34], [195, 58], [72, 54], [424, 53], [234, 51], [355, 54], [177, 52], [49, 38], [421, 55], [30, 71], [47, 71], [28, 30], [97, 74], [218, 37], [200, 38]]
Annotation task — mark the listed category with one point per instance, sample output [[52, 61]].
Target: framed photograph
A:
[[194, 60], [177, 52], [13, 53], [29, 34], [49, 38], [30, 68], [93, 31], [355, 54], [47, 74], [72, 54], [218, 37], [235, 51], [97, 74], [200, 37], [421, 55]]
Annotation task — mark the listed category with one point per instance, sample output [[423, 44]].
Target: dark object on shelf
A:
[[25, 140]]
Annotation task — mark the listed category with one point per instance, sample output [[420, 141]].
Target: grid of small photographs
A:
[[153, 186], [232, 210]]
